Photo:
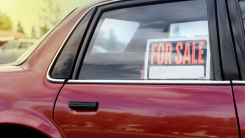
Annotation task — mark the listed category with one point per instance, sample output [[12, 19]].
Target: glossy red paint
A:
[[26, 97], [148, 111], [239, 95]]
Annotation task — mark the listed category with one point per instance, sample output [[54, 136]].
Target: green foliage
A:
[[52, 11], [5, 22], [43, 29], [20, 28], [50, 15]]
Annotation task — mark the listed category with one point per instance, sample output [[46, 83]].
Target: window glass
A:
[[242, 7], [162, 41], [26, 45], [114, 36], [66, 59]]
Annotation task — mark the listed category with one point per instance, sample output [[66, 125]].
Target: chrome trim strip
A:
[[62, 45], [186, 82], [55, 80], [237, 82]]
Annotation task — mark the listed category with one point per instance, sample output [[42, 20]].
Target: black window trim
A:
[[76, 37], [48, 77], [227, 51], [238, 33]]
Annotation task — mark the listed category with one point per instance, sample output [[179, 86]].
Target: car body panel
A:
[[148, 111], [30, 119], [30, 94], [26, 88], [27, 98]]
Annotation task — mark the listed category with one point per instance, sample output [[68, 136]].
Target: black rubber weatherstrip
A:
[[214, 40], [234, 38], [228, 57], [75, 69], [237, 28]]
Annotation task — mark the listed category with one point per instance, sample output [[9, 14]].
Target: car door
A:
[[236, 15], [150, 69]]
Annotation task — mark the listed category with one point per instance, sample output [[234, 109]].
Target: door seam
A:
[[237, 118], [55, 104]]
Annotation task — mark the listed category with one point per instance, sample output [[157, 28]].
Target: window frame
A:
[[229, 61], [214, 30], [136, 3]]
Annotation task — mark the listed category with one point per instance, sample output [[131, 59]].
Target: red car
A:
[[136, 68]]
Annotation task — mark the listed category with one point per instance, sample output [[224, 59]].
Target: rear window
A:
[[162, 41], [242, 8]]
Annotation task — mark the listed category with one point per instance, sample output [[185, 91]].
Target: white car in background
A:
[[13, 49]]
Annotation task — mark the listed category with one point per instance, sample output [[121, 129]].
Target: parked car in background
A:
[[13, 49], [133, 68], [2, 42]]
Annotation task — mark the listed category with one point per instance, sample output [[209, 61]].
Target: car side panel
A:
[[148, 111], [28, 118], [28, 100], [25, 88]]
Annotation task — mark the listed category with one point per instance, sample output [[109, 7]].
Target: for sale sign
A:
[[177, 58]]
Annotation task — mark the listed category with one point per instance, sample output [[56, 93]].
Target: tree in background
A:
[[44, 29], [33, 32], [5, 22], [20, 28], [50, 16]]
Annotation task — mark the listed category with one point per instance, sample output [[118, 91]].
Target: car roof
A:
[[98, 3]]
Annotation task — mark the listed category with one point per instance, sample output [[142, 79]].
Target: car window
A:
[[161, 41], [242, 8], [66, 59], [11, 46], [25, 45], [114, 35]]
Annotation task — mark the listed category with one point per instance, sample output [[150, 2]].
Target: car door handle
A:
[[83, 105]]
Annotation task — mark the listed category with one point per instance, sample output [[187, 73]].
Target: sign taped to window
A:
[[177, 58]]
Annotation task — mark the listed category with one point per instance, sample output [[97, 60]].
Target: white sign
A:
[[177, 58]]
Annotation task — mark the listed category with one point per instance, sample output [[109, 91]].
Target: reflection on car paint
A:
[[148, 111]]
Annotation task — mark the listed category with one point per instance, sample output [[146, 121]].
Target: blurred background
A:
[[23, 22]]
